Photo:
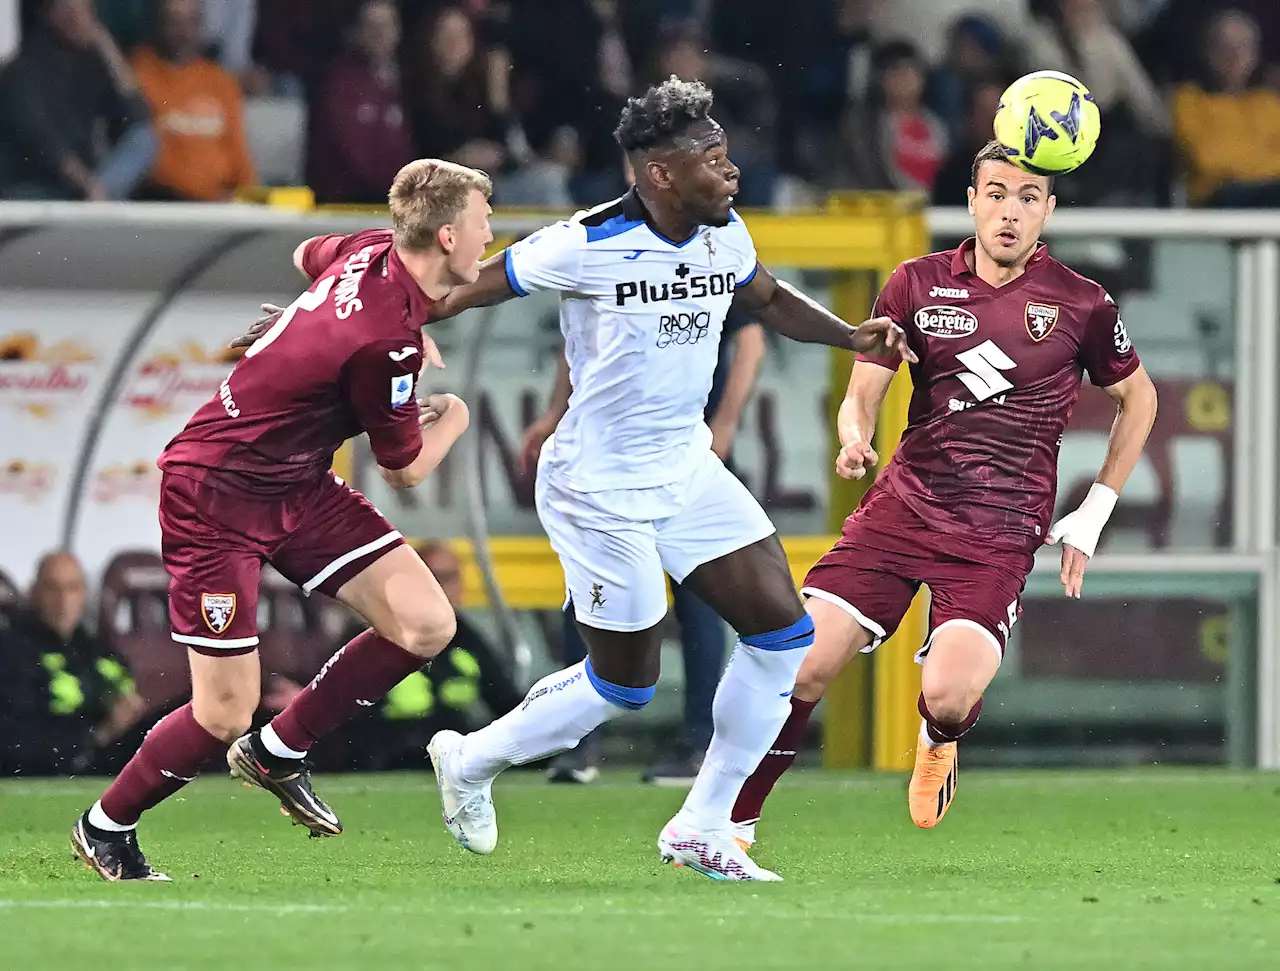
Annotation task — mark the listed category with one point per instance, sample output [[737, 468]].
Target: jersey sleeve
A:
[[749, 262], [323, 251], [550, 259], [894, 302], [379, 383], [1106, 352]]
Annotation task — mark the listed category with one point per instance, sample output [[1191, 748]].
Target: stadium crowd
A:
[[81, 689], [206, 99]]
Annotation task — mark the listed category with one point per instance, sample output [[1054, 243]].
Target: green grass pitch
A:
[[1045, 870]]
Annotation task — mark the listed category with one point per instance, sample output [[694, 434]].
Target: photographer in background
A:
[[73, 122], [64, 698]]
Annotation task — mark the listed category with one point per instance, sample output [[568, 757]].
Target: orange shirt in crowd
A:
[[199, 117], [1226, 138]]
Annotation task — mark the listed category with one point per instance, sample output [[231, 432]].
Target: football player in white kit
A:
[[628, 487]]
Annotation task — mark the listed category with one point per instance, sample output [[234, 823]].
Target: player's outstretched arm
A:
[[491, 286], [858, 416], [784, 309], [1135, 398], [443, 418]]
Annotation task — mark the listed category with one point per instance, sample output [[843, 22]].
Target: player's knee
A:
[[425, 632], [224, 711], [949, 704], [816, 673]]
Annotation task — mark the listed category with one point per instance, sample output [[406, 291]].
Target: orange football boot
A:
[[933, 783]]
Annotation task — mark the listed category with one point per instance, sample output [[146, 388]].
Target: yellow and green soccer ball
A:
[[1048, 123]]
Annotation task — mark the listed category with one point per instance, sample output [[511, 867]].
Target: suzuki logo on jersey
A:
[[345, 300], [401, 390], [1041, 318], [688, 328], [947, 322], [955, 293], [685, 287]]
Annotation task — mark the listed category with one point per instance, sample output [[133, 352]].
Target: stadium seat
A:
[[133, 617], [276, 129]]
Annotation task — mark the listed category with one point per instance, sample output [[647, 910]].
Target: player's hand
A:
[[270, 314], [431, 353], [531, 444], [1073, 567], [1079, 532], [435, 406], [881, 337], [854, 460], [722, 439]]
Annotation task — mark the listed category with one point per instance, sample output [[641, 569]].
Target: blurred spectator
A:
[[835, 42], [1076, 36], [952, 184], [227, 36], [462, 688], [130, 22], [294, 40], [357, 137], [744, 106], [1172, 43], [977, 53], [893, 142], [64, 696], [198, 110], [1227, 126], [570, 92], [457, 93], [69, 84]]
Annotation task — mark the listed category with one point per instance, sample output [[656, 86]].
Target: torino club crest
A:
[[218, 609], [1041, 319]]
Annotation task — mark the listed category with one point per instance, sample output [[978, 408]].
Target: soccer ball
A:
[[1047, 123]]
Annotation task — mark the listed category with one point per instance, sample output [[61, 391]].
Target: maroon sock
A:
[[779, 758], [169, 758], [362, 671], [942, 732]]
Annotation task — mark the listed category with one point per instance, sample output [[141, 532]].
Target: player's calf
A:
[[837, 638], [961, 658]]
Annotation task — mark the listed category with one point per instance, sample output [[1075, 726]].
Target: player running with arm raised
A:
[[249, 481], [628, 486], [1003, 333]]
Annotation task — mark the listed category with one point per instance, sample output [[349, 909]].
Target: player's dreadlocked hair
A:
[[662, 113]]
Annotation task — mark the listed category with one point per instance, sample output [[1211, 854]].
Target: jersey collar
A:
[[960, 261], [419, 302], [633, 210]]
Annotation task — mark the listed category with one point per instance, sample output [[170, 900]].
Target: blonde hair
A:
[[429, 193]]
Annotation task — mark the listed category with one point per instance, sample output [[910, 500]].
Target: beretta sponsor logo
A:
[[946, 322]]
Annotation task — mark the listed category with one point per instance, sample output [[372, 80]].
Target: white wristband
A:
[[1082, 528]]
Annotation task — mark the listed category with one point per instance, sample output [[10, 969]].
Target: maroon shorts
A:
[[214, 544], [886, 552]]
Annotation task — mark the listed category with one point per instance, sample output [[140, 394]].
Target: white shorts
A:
[[616, 545]]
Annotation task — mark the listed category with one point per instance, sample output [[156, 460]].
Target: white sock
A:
[[557, 713], [751, 705], [273, 744], [100, 820], [925, 740]]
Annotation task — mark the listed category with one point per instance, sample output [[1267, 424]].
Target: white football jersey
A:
[[641, 318]]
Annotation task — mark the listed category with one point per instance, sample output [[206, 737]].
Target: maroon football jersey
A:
[[998, 375], [343, 359]]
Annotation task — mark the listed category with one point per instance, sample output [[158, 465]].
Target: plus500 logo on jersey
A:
[[946, 322], [688, 288]]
